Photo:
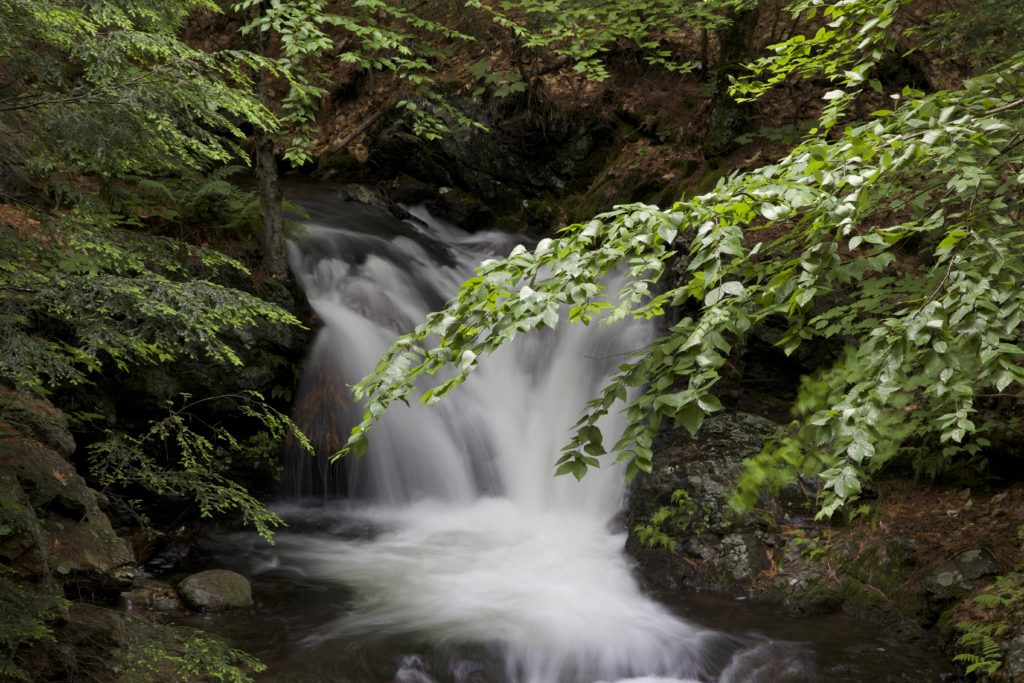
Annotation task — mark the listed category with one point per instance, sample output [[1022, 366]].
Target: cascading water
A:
[[478, 542], [450, 553]]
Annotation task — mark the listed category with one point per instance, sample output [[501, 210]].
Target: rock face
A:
[[722, 549], [56, 526], [499, 173], [777, 552], [216, 590], [1015, 659], [36, 418]]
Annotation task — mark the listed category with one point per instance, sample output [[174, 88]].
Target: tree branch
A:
[[361, 128]]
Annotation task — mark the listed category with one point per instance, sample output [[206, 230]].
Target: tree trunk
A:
[[275, 259], [729, 118]]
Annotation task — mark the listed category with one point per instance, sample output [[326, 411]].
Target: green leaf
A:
[[692, 417]]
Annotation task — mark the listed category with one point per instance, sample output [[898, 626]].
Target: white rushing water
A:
[[475, 541]]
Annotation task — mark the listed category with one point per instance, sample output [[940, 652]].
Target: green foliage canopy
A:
[[110, 127], [107, 89], [584, 33], [926, 338], [106, 113], [376, 35]]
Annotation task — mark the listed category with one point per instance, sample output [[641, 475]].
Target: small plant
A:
[[684, 514], [505, 83], [981, 652], [180, 455], [26, 609], [814, 547], [150, 651]]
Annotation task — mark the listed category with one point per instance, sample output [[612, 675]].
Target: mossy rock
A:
[[216, 590], [341, 165], [35, 417], [56, 521]]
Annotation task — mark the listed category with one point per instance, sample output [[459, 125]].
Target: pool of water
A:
[[480, 596]]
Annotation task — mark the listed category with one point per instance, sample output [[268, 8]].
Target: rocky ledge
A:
[[685, 536]]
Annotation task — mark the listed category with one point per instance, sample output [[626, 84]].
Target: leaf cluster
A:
[[118, 128], [26, 613], [181, 455], [683, 514], [991, 622], [107, 89], [75, 296]]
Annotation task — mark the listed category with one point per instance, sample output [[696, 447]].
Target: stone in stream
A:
[[216, 590]]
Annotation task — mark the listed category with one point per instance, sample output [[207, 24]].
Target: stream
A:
[[450, 552]]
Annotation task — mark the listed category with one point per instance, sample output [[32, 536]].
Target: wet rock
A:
[[739, 559], [57, 525], [707, 468], [462, 208], [151, 595], [804, 585], [770, 661], [953, 578], [413, 669], [521, 157], [216, 590], [778, 552], [364, 194], [729, 549]]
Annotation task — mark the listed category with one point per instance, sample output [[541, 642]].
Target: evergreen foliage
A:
[[108, 116], [897, 238], [111, 130], [75, 295]]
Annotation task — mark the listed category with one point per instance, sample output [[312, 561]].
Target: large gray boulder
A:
[[35, 418], [957, 576], [216, 590]]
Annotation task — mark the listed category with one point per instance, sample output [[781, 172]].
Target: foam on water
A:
[[552, 589]]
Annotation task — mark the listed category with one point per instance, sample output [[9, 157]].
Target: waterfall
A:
[[473, 540]]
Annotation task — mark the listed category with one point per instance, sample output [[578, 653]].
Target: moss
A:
[[637, 186], [821, 598]]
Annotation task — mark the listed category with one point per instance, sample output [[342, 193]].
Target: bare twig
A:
[[361, 128]]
